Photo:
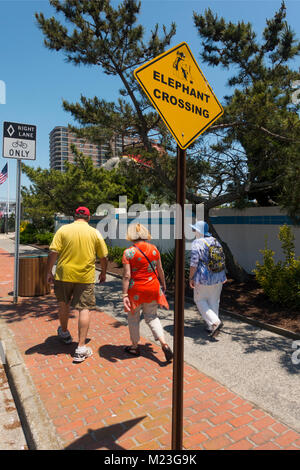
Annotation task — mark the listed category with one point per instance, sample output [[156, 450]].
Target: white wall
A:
[[244, 231], [246, 239]]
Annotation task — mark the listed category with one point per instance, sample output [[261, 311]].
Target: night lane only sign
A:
[[180, 93], [19, 141]]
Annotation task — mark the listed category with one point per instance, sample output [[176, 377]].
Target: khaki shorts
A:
[[80, 295]]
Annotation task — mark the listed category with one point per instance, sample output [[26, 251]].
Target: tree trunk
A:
[[112, 146], [234, 269]]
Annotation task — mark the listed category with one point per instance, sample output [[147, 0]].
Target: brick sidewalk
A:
[[113, 401]]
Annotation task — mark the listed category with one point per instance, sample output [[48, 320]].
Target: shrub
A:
[[23, 225], [11, 222], [280, 281], [115, 253], [44, 238], [168, 264], [29, 234]]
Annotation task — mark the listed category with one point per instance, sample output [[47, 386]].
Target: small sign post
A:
[[17, 232], [19, 142], [179, 91]]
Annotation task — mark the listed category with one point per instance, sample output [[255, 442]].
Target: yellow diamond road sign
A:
[[180, 92]]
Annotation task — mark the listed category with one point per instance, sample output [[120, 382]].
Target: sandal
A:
[[216, 330], [168, 353], [133, 351]]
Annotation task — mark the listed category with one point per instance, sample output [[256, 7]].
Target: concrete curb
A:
[[119, 276], [263, 326], [37, 426]]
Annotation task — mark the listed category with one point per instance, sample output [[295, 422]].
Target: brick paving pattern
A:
[[115, 401]]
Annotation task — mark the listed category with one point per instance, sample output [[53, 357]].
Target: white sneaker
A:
[[64, 336], [82, 353]]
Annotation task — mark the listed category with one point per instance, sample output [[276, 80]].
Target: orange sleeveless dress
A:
[[144, 286]]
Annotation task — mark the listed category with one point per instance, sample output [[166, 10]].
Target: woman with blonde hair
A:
[[143, 288]]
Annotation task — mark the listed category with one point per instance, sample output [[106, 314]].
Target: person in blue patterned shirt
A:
[[207, 276]]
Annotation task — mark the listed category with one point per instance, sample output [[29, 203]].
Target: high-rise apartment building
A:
[[61, 140]]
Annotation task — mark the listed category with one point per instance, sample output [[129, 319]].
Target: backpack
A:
[[216, 257]]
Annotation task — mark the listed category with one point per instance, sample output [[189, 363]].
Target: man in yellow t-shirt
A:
[[76, 246]]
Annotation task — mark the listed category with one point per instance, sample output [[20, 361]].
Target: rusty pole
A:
[[178, 361]]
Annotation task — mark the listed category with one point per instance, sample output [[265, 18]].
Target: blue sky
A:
[[37, 79]]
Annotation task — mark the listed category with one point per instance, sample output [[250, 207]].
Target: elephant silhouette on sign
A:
[[181, 68]]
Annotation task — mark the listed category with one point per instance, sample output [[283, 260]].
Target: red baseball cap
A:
[[82, 211]]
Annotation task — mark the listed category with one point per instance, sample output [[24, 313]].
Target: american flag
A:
[[3, 174]]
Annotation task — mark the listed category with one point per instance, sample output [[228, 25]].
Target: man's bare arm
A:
[[52, 257], [102, 275]]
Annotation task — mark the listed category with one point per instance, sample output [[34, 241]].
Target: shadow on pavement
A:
[[250, 338], [41, 306], [104, 438], [253, 343], [52, 347], [6, 254], [195, 331], [113, 353]]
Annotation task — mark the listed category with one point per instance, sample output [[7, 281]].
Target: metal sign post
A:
[[17, 233], [19, 142], [177, 409], [179, 91]]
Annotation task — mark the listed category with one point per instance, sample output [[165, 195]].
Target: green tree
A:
[[259, 116], [251, 152], [109, 38], [81, 184], [281, 281], [257, 140]]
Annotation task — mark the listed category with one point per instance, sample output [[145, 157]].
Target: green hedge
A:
[[115, 253], [168, 263], [281, 281], [31, 235]]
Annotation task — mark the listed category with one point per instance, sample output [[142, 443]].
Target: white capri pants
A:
[[151, 318], [207, 299]]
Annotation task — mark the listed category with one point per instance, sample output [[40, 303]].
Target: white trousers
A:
[[151, 318], [207, 299]]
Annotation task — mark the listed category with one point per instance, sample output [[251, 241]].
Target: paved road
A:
[[251, 362]]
